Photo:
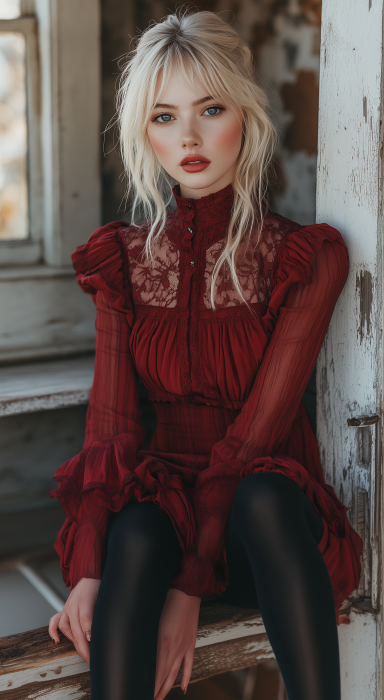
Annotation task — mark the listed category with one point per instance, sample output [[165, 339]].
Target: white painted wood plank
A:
[[44, 315], [349, 370], [45, 385], [237, 630], [358, 646], [70, 665]]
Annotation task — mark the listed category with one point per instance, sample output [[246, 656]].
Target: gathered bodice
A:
[[185, 350]]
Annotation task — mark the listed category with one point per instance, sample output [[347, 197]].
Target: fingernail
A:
[[88, 636], [185, 690]]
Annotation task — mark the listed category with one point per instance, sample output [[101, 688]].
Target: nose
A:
[[190, 138]]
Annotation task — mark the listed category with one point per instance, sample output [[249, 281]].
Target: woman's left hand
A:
[[176, 642]]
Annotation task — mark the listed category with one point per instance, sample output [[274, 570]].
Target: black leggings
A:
[[274, 563]]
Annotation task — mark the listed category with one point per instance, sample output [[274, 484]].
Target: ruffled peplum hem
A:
[[101, 480], [88, 499], [340, 545]]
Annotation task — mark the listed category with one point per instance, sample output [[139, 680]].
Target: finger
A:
[[85, 615], [170, 680], [53, 626], [161, 666], [65, 626], [80, 642], [187, 669]]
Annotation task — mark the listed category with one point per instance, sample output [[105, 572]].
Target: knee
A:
[[135, 529], [261, 500]]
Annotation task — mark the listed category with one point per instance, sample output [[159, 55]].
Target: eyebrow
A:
[[162, 105]]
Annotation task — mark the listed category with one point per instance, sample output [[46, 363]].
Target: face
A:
[[196, 138]]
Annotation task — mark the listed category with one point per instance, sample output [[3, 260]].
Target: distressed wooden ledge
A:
[[39, 386], [31, 666]]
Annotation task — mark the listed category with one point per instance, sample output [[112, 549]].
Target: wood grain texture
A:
[[72, 688], [31, 665], [229, 656]]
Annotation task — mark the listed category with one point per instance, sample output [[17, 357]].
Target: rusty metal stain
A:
[[365, 108], [365, 288], [363, 420]]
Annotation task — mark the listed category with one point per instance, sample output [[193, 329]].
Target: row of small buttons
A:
[[190, 230]]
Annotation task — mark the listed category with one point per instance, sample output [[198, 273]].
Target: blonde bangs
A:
[[206, 50]]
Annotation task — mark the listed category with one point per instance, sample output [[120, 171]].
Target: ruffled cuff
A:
[[81, 548], [103, 470], [201, 577]]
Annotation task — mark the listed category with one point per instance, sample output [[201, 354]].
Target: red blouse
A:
[[226, 384]]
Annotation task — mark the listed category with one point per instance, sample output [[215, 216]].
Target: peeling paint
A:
[[364, 287]]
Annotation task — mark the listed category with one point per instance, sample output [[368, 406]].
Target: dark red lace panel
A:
[[153, 283], [156, 283], [254, 262]]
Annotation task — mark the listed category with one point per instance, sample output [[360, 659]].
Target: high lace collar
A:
[[208, 216], [218, 202]]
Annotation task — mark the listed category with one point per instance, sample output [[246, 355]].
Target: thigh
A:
[[267, 503], [275, 491], [241, 590], [141, 532], [143, 554]]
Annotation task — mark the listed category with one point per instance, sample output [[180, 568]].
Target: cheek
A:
[[229, 137], [161, 142]]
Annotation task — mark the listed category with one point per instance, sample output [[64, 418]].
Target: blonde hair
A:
[[202, 46]]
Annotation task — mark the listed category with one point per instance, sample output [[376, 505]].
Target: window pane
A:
[[9, 9], [13, 138]]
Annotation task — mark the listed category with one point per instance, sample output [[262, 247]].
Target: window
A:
[[50, 137], [20, 171]]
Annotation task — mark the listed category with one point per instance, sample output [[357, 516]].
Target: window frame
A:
[[29, 250], [42, 309]]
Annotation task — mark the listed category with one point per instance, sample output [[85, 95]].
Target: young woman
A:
[[220, 307]]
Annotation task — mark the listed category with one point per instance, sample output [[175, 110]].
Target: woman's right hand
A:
[[75, 619]]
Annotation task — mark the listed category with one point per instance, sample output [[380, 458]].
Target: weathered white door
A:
[[350, 368]]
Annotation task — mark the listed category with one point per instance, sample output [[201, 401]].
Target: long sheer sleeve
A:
[[91, 484], [301, 311]]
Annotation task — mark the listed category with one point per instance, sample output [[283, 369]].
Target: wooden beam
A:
[[30, 664]]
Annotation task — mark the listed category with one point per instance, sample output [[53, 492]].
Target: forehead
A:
[[177, 87]]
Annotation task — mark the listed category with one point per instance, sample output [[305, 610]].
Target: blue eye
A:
[[213, 111], [163, 118]]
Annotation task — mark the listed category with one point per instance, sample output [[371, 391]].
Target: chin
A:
[[200, 183]]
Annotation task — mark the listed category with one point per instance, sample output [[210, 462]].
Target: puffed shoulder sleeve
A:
[[296, 260], [95, 482], [101, 265]]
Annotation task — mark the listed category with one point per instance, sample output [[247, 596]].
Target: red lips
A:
[[194, 163]]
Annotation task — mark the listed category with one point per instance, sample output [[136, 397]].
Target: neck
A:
[[198, 193]]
